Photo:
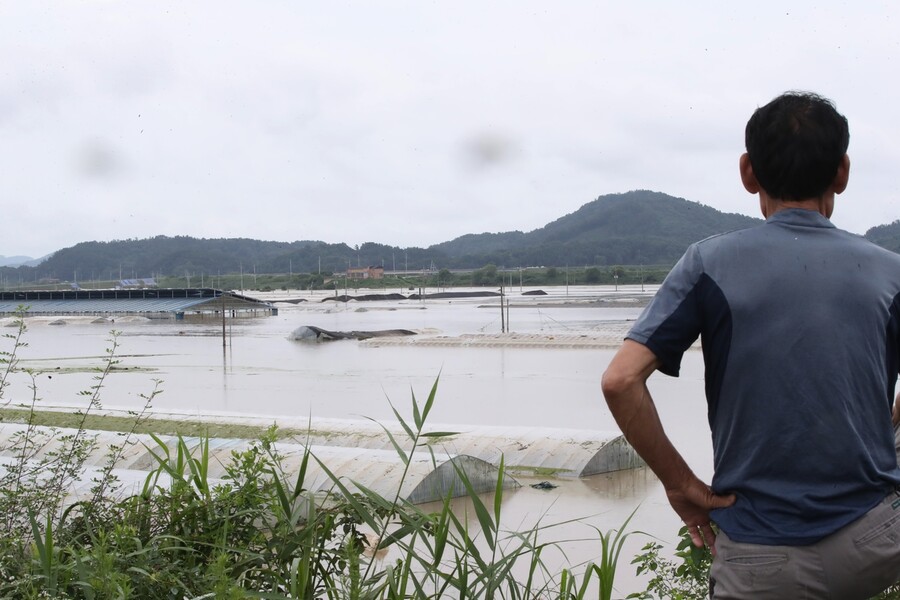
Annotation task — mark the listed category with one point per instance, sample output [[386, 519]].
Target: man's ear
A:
[[747, 176], [842, 176]]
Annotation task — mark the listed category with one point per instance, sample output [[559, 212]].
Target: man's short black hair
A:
[[796, 143]]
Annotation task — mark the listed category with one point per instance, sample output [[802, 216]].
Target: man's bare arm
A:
[[625, 389]]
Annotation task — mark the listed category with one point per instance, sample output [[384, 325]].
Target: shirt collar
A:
[[800, 217]]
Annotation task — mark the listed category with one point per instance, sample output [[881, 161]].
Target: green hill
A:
[[886, 236], [631, 228]]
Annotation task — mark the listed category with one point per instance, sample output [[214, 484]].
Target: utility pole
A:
[[222, 292], [502, 318], [508, 324]]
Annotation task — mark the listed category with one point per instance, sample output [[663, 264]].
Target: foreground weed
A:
[[441, 555], [8, 358], [684, 578]]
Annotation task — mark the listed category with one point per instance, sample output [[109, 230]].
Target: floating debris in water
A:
[[544, 485], [308, 333]]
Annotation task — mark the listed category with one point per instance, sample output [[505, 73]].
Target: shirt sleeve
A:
[[672, 321]]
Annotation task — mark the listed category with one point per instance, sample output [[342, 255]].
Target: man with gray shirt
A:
[[800, 329]]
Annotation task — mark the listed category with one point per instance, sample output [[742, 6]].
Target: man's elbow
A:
[[616, 384], [627, 373]]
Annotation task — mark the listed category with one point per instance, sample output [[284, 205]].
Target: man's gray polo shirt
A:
[[800, 328]]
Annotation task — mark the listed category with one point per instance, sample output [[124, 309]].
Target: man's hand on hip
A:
[[693, 501]]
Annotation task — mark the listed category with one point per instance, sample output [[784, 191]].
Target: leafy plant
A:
[[684, 580]]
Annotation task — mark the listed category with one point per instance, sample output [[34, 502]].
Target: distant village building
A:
[[365, 273]]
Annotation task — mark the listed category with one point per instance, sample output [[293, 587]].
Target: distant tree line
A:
[[185, 257]]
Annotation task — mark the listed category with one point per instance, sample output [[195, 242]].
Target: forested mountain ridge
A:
[[886, 236], [15, 261], [637, 227], [639, 213]]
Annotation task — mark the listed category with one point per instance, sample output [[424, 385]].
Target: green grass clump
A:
[[185, 428]]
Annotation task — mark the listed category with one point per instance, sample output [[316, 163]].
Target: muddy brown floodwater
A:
[[545, 374]]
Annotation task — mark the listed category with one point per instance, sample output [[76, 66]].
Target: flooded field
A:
[[545, 374]]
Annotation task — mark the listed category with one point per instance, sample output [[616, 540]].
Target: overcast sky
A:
[[412, 123]]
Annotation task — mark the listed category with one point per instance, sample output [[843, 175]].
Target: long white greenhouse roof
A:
[[424, 479]]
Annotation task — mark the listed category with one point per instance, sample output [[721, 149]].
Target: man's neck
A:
[[769, 206]]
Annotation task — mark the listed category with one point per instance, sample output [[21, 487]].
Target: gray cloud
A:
[[96, 159]]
